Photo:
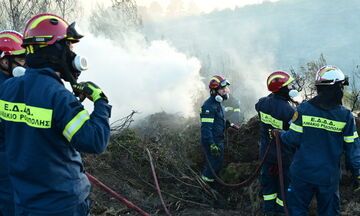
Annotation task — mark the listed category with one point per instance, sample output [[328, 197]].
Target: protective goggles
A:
[[224, 83]]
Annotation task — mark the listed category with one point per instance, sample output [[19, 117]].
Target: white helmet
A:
[[329, 75]]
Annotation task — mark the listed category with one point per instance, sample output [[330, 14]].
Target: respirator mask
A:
[[18, 71], [221, 98], [73, 64], [293, 93]]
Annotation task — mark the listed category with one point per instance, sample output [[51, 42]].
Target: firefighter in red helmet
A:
[[275, 111], [213, 126], [45, 165], [12, 57]]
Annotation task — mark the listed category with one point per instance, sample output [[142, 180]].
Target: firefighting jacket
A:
[[45, 128], [212, 122], [320, 137], [3, 77], [274, 112], [5, 188]]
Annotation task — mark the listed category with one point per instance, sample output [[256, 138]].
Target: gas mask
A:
[[220, 98], [293, 93], [73, 64]]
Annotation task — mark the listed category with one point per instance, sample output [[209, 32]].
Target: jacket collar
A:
[[46, 71]]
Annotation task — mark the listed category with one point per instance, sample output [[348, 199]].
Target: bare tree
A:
[[15, 13], [115, 21], [352, 97], [304, 79], [68, 9]]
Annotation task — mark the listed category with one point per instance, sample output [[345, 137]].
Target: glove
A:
[[89, 90], [356, 184], [214, 150]]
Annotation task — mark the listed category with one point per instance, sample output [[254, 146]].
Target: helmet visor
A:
[[72, 34], [344, 82]]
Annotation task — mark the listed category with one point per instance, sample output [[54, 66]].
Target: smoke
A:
[[241, 50], [147, 77]]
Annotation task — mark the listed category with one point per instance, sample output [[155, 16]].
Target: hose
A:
[[281, 171], [220, 181], [157, 183], [115, 195]]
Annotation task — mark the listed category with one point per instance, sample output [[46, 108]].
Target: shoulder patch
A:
[[295, 116], [204, 111]]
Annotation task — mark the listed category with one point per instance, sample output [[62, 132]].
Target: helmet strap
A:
[[66, 60], [283, 92], [57, 56], [213, 92]]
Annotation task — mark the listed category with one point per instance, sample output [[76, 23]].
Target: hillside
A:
[[288, 33]]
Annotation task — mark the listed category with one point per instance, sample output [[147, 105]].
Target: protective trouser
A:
[[214, 162], [271, 190], [83, 209], [7, 207], [300, 194]]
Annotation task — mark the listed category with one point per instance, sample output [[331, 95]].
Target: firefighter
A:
[[322, 131], [12, 55], [213, 127], [275, 111], [46, 126]]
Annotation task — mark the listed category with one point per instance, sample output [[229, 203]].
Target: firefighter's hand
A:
[[89, 90], [357, 184], [214, 150]]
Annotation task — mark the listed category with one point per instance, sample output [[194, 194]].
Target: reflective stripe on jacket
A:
[[212, 122], [274, 112]]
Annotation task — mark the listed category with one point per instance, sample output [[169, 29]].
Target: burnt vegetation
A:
[[173, 142]]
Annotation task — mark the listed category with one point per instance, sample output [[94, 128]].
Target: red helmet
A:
[[46, 29], [10, 43], [277, 80], [217, 82]]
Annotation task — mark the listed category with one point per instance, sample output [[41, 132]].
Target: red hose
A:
[[157, 183], [115, 195], [246, 181], [281, 171]]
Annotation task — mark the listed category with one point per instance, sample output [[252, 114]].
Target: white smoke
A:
[[145, 77], [227, 46]]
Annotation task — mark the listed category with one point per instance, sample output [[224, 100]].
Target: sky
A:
[[203, 5], [207, 5]]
